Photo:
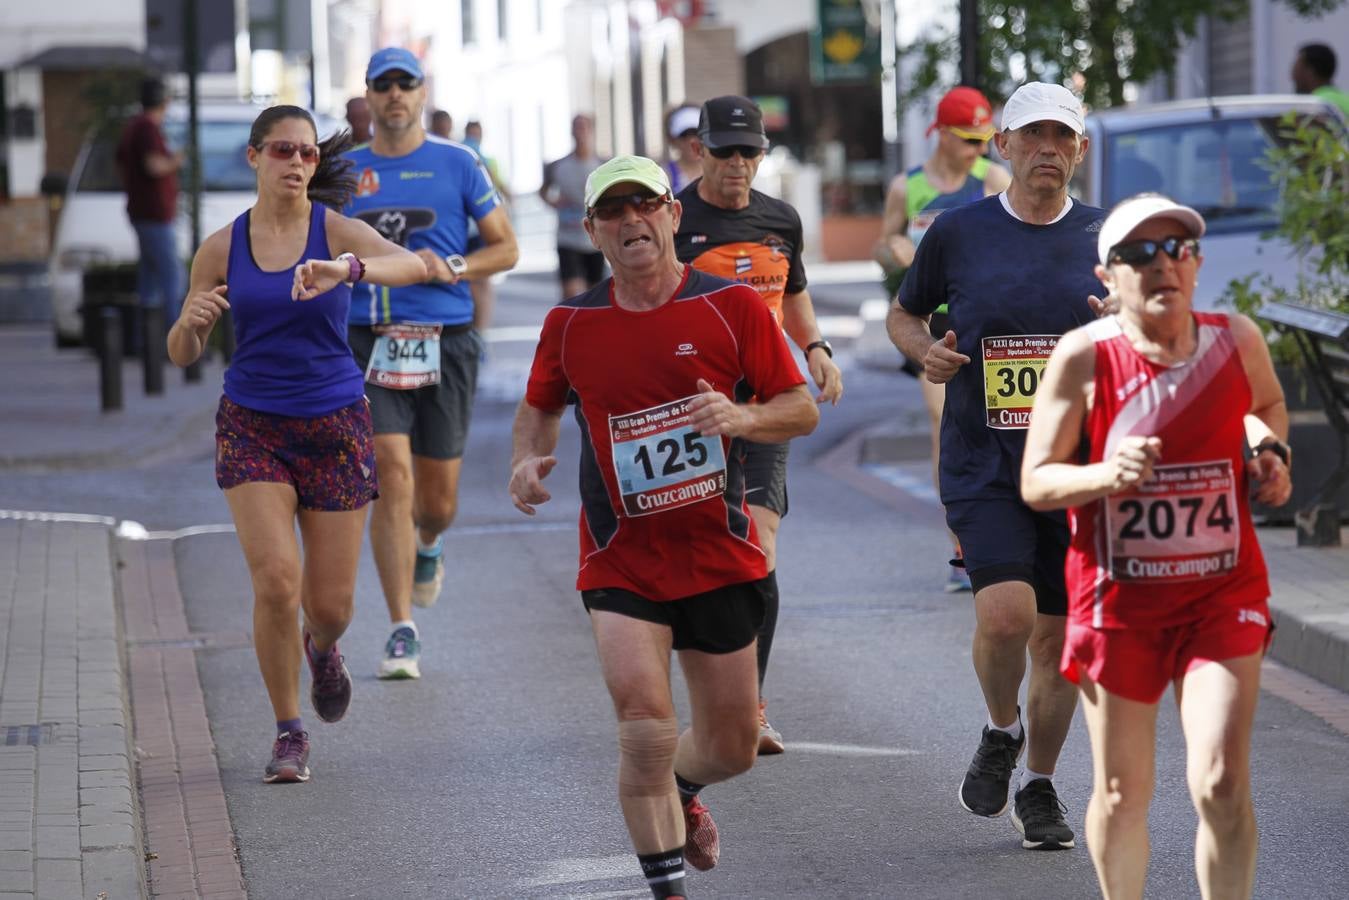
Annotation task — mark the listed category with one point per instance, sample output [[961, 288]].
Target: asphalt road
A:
[[493, 776]]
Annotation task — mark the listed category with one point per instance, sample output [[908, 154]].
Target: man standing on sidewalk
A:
[[149, 171], [1016, 273], [579, 265], [669, 555], [416, 344], [730, 229]]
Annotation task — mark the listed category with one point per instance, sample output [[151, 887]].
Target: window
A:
[[224, 161], [1215, 166], [468, 27]]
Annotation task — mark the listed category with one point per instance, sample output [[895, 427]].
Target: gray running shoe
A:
[[330, 688], [984, 788], [402, 655], [290, 759], [1037, 813], [427, 576]]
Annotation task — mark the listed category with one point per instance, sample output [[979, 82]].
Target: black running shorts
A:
[[436, 416], [1005, 540], [718, 621], [766, 475]]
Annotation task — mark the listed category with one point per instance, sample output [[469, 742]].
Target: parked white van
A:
[[94, 228]]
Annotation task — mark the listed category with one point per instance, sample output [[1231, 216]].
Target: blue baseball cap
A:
[[393, 59]]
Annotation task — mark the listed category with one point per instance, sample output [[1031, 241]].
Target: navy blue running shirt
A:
[[1012, 289]]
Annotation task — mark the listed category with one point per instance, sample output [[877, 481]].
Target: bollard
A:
[[152, 349], [1318, 525], [110, 358], [192, 371]]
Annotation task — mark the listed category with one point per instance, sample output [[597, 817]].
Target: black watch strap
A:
[[1275, 446], [823, 344]]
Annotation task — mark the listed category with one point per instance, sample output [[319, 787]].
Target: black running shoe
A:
[[984, 790], [1038, 814]]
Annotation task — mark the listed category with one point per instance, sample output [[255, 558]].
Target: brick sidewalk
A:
[[69, 821]]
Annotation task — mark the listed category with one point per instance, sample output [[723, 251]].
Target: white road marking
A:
[[913, 478], [580, 869], [79, 518], [131, 530], [848, 749], [502, 333]]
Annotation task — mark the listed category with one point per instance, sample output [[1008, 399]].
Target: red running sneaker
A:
[[702, 847]]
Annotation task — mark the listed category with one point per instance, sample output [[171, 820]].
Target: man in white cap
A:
[[1015, 271], [655, 359]]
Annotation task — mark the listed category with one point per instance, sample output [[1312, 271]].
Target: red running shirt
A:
[[663, 511], [1181, 544]]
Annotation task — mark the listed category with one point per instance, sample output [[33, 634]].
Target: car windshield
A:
[[224, 164], [1215, 166]]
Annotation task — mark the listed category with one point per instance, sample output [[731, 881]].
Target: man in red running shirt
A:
[[659, 361], [1166, 583]]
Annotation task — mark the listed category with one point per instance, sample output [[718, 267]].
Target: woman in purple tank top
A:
[[293, 434]]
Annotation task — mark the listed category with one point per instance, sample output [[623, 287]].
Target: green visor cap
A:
[[621, 169]]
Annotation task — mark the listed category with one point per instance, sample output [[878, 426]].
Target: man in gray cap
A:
[[1016, 273], [730, 229]]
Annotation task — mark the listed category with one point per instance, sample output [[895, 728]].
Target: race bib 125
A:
[[661, 462]]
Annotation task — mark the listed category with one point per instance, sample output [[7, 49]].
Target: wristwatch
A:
[[1275, 446], [822, 344], [458, 265]]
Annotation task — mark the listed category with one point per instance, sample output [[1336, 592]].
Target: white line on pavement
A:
[[848, 749], [135, 531], [577, 869], [80, 518]]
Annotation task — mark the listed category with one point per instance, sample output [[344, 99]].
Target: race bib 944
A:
[[661, 462], [1013, 365], [405, 356]]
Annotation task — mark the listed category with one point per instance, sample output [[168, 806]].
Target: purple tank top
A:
[[292, 357]]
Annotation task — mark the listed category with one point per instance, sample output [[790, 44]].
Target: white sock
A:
[[1027, 776], [406, 623], [1014, 729], [431, 549]]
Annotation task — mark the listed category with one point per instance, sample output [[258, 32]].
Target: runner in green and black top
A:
[[730, 229], [956, 173]]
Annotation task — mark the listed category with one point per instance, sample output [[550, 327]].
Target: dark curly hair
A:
[[333, 182]]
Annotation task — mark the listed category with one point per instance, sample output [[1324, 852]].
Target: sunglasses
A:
[[382, 84], [611, 208], [728, 152], [286, 149], [976, 142], [1140, 253]]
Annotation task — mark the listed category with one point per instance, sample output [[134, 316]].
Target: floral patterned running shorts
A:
[[328, 459]]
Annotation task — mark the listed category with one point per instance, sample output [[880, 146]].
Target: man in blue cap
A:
[[417, 343]]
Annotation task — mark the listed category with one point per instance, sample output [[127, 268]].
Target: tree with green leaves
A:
[[1108, 43]]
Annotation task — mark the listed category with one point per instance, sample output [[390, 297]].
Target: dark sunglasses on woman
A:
[[383, 83], [286, 149], [611, 207], [1140, 253], [728, 152]]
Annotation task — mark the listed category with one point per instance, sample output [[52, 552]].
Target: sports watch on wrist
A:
[[1275, 446], [824, 345], [458, 265]]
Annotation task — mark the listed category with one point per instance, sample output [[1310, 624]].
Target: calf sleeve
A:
[[646, 751]]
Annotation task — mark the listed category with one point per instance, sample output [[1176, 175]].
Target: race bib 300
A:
[[1012, 368]]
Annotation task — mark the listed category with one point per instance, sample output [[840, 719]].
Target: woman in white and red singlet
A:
[[1166, 583]]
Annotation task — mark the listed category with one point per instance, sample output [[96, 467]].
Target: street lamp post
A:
[[969, 44]]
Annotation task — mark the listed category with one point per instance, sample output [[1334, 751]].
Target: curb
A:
[[68, 683]]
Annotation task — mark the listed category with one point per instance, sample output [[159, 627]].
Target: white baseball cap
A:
[[684, 119], [1129, 214], [1038, 101]]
